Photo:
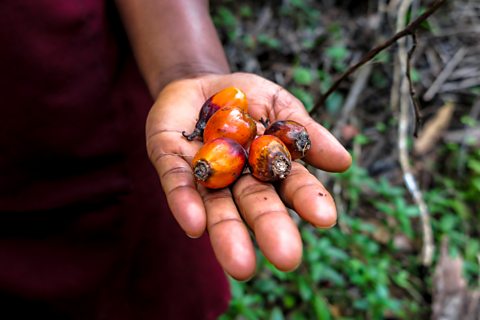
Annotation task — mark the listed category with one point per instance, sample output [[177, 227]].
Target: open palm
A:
[[262, 206]]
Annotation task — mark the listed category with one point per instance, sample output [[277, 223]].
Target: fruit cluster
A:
[[227, 131]]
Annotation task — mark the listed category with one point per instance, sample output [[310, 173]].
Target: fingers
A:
[[276, 233], [307, 196], [326, 152], [263, 210], [194, 207], [228, 234], [180, 189], [261, 207], [171, 157], [171, 154]]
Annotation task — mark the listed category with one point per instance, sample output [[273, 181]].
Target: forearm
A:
[[172, 39]]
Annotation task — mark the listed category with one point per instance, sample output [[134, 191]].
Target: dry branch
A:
[[443, 76], [408, 176], [408, 30]]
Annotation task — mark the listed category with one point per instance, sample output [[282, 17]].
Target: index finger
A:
[[177, 181], [326, 152]]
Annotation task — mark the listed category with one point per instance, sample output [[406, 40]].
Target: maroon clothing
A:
[[85, 232]]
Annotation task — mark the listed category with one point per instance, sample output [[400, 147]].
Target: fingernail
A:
[[324, 227], [192, 237]]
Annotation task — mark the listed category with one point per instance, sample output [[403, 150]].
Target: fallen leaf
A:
[[433, 129]]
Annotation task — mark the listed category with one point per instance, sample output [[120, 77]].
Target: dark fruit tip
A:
[[190, 137], [265, 122], [281, 166], [202, 170], [303, 143]]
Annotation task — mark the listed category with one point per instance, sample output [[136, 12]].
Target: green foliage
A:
[[454, 205], [367, 267], [338, 53], [268, 41], [334, 103], [303, 12], [344, 268], [353, 271], [414, 75], [302, 76], [226, 21], [246, 11]]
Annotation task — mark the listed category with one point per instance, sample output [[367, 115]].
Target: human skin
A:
[[183, 63]]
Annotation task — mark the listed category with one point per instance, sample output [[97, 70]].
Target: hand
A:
[[224, 211]]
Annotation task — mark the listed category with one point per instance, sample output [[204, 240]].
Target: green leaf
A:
[[476, 184], [334, 103], [237, 288], [401, 279], [361, 139], [297, 3], [225, 17], [474, 165], [320, 308], [289, 301], [325, 80], [414, 75], [326, 273], [468, 121], [382, 292], [276, 314], [302, 76], [276, 273], [381, 127], [297, 315], [360, 304], [448, 222], [246, 11], [304, 288], [337, 52], [384, 207], [249, 314], [268, 41], [335, 253], [461, 208]]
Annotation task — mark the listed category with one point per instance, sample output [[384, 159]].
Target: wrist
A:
[[172, 39], [184, 70]]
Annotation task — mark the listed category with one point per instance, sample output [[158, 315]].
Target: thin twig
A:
[[358, 86], [408, 177], [408, 30], [337, 194], [356, 89], [461, 85], [443, 76], [413, 95]]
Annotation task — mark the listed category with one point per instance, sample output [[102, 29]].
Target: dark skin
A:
[[182, 68]]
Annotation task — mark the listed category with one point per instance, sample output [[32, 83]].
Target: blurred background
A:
[[407, 242]]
